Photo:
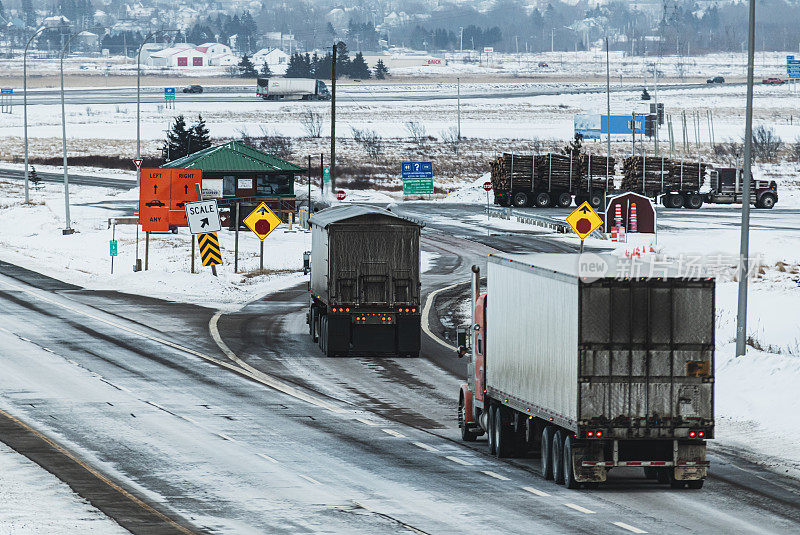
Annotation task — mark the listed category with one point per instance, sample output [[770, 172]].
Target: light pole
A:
[[68, 228], [25, 105], [741, 313], [138, 98]]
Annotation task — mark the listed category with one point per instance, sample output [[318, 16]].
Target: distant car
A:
[[193, 89], [543, 65], [716, 80], [773, 81]]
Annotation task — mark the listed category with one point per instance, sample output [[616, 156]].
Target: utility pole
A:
[[655, 92], [608, 111], [552, 39], [458, 93], [461, 42], [333, 117], [741, 314]]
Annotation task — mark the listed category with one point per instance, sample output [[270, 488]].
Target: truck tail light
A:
[[347, 309], [413, 310], [701, 434], [692, 434], [590, 434], [599, 434], [400, 309], [407, 310]]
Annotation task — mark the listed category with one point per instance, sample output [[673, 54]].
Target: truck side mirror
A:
[[461, 336], [306, 262]]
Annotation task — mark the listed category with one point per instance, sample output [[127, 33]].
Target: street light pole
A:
[[68, 228], [741, 314], [25, 106]]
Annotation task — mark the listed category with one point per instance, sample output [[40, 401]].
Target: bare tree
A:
[[766, 144], [795, 150], [370, 141], [312, 123], [730, 150], [450, 139], [270, 141], [416, 132]]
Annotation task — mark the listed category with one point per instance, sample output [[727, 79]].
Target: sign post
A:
[[169, 97], [584, 220], [112, 245], [6, 105], [262, 221], [417, 178], [203, 219], [487, 186]]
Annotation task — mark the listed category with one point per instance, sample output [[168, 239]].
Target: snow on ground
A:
[[32, 238], [36, 502]]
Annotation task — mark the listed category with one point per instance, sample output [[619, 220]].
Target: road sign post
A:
[[5, 99], [584, 220], [112, 245], [236, 241], [262, 221], [169, 97], [487, 186]]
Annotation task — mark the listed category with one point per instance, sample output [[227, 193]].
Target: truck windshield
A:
[[322, 89], [262, 82]]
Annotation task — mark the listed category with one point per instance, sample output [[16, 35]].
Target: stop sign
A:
[[487, 186], [340, 194]]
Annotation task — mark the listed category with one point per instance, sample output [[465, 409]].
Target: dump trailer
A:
[[365, 287], [596, 373], [292, 88]]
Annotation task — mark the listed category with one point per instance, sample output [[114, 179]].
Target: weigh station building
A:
[[237, 173]]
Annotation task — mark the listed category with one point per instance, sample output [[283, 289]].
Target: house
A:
[[178, 56], [213, 49], [87, 41], [277, 59], [223, 60]]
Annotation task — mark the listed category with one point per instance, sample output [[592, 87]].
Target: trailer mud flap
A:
[[592, 451], [690, 462]]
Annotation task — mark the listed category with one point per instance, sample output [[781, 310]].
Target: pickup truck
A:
[[773, 81]]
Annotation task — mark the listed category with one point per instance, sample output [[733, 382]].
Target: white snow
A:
[[36, 502]]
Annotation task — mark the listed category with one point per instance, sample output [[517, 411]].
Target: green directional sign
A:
[[326, 174], [169, 97], [418, 186], [112, 247]]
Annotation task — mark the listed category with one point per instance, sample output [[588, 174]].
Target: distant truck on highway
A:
[[595, 373], [365, 282], [292, 88]]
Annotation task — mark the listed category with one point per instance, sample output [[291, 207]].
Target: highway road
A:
[[236, 422], [58, 178], [345, 92]]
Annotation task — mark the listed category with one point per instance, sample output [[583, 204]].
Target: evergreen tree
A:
[[266, 72], [381, 72], [199, 136], [359, 68], [299, 66], [179, 140], [33, 177], [342, 59], [28, 13], [246, 68], [322, 67], [2, 10]]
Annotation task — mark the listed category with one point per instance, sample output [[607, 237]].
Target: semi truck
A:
[[365, 286], [292, 88], [596, 372]]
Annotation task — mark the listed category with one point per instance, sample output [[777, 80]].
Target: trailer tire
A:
[[675, 200], [543, 200], [695, 484], [490, 428], [569, 473], [693, 201], [650, 472], [596, 200], [466, 434], [557, 450], [662, 475], [547, 457], [313, 326], [564, 200], [520, 200], [767, 201], [503, 438]]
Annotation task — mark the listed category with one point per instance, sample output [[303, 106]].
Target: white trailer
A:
[[292, 88], [596, 373]]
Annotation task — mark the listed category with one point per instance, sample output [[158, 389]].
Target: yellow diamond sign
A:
[[262, 221], [584, 220]]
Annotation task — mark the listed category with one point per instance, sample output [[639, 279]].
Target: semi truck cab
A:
[[726, 188]]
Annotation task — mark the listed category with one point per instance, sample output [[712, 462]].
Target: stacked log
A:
[[672, 174], [508, 169], [550, 170]]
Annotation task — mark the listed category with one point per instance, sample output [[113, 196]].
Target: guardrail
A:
[[557, 225]]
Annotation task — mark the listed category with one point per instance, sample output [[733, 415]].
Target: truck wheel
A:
[[662, 474], [767, 201], [564, 199], [596, 200], [547, 457], [693, 201], [520, 200], [504, 439], [675, 200], [557, 450], [466, 434], [569, 472], [543, 200], [313, 326], [695, 484], [650, 472], [502, 201], [490, 429]]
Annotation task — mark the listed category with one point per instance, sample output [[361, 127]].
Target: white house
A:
[[223, 60], [213, 49], [178, 56], [277, 59]]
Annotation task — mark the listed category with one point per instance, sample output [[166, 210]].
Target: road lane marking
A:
[[367, 422], [630, 528], [426, 310], [535, 491], [459, 461], [190, 419], [393, 433], [579, 508], [310, 479], [393, 519], [424, 446], [496, 475], [226, 437], [267, 457]]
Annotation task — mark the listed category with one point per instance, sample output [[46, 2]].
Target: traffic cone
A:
[[618, 216], [634, 222], [614, 234]]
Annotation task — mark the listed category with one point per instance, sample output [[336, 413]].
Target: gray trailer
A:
[[365, 287], [597, 372], [292, 88]]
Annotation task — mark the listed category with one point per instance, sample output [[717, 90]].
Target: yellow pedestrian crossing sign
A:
[[584, 220], [209, 249], [262, 221]]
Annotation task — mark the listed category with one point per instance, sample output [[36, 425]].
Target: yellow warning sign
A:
[[209, 249], [262, 221], [584, 220]]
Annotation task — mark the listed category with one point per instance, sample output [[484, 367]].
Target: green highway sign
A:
[[326, 174], [169, 97], [418, 186], [112, 247]]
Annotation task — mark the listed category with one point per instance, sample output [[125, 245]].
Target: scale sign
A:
[[417, 178], [203, 217]]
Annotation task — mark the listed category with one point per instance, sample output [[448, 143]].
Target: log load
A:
[[673, 174], [548, 171]]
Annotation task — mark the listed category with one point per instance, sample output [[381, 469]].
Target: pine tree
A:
[[266, 72], [28, 13], [179, 140], [33, 177], [359, 68], [246, 68], [298, 67], [381, 72], [342, 59], [199, 136]]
